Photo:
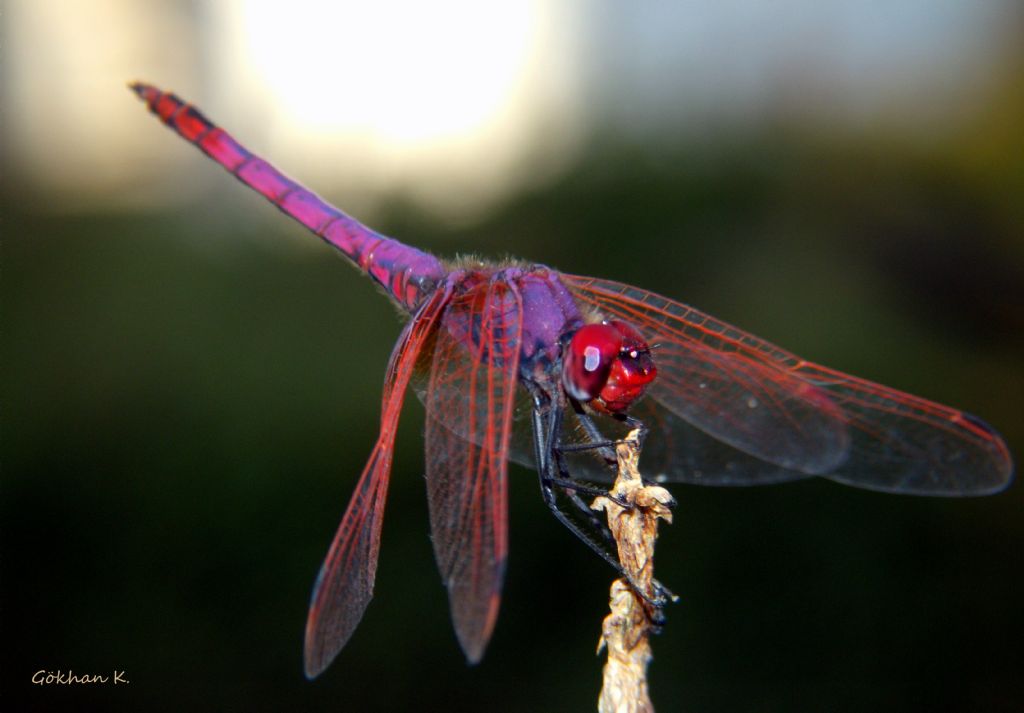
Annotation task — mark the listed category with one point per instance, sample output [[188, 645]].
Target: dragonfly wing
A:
[[521, 445], [905, 444], [726, 383], [674, 450], [344, 586], [785, 417], [470, 397], [678, 451]]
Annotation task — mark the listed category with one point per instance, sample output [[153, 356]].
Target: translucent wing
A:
[[345, 583], [471, 391], [778, 417]]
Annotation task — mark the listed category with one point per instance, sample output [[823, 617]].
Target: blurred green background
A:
[[191, 384]]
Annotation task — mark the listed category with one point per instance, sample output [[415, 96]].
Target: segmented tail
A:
[[407, 274]]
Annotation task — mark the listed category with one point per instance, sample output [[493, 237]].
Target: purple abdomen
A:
[[407, 274]]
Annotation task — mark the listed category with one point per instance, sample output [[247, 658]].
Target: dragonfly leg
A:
[[554, 476], [577, 447], [570, 485], [597, 439], [635, 424], [660, 594], [547, 419], [578, 486], [601, 546]]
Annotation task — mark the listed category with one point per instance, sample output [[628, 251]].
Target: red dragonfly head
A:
[[608, 366]]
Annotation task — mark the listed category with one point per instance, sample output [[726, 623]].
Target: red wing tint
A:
[[791, 414], [471, 391], [345, 583]]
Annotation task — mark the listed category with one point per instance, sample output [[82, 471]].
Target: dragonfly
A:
[[518, 361]]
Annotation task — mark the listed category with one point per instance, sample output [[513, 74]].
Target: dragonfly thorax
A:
[[607, 366]]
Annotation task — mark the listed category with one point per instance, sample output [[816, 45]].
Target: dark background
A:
[[182, 428]]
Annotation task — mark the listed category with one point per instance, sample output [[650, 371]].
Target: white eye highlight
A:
[[591, 358]]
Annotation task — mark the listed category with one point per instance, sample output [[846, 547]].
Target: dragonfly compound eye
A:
[[632, 370], [607, 365], [588, 360]]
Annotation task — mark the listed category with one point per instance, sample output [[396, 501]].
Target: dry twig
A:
[[625, 630]]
